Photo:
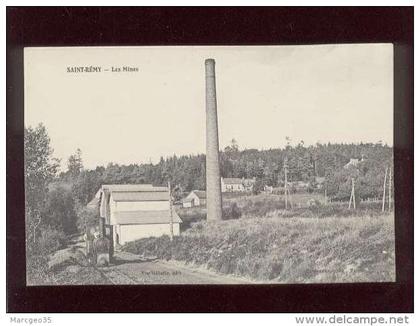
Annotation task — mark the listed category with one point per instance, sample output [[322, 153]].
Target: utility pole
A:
[[390, 189], [384, 193], [171, 224], [352, 195], [285, 166]]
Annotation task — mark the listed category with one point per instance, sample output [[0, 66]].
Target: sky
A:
[[314, 93]]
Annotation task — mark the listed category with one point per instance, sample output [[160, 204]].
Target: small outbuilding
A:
[[195, 198]]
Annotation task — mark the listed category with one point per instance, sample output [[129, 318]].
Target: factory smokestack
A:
[[213, 187]]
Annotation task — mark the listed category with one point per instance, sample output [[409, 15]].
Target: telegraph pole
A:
[[352, 195], [390, 189], [170, 212], [384, 193], [285, 166]]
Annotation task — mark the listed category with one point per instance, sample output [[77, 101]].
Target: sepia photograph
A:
[[209, 164]]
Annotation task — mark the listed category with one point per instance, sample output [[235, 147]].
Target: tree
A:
[[59, 211], [86, 217], [86, 185], [232, 150], [338, 184], [176, 193], [233, 147], [75, 164], [40, 169], [258, 186], [305, 163]]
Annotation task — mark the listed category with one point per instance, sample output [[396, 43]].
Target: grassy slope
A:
[[289, 250], [248, 205]]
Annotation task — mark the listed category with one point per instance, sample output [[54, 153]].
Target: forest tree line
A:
[[55, 202], [305, 163]]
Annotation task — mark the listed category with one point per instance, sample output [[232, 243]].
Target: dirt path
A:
[[132, 269]]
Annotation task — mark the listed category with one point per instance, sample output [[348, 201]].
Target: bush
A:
[[51, 240], [231, 212], [37, 270], [48, 241], [59, 211], [191, 215], [261, 205], [314, 203]]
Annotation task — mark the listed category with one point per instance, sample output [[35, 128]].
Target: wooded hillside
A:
[[304, 164]]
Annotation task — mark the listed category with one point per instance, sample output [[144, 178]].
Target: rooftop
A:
[[126, 188], [146, 217], [200, 194], [132, 187], [140, 195]]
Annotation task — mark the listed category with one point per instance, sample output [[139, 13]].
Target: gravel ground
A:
[[132, 269]]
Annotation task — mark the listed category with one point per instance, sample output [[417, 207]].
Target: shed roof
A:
[[200, 194], [140, 196], [146, 217], [127, 188], [187, 200], [132, 187]]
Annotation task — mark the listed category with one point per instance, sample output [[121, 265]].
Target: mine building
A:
[[135, 211]]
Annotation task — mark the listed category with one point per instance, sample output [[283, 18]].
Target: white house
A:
[[237, 184], [194, 198], [137, 211]]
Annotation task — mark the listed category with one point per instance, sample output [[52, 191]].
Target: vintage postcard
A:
[[209, 164]]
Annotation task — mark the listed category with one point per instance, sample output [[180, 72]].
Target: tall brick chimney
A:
[[213, 187]]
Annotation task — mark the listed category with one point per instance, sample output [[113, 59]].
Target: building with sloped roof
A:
[[137, 211], [194, 198]]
